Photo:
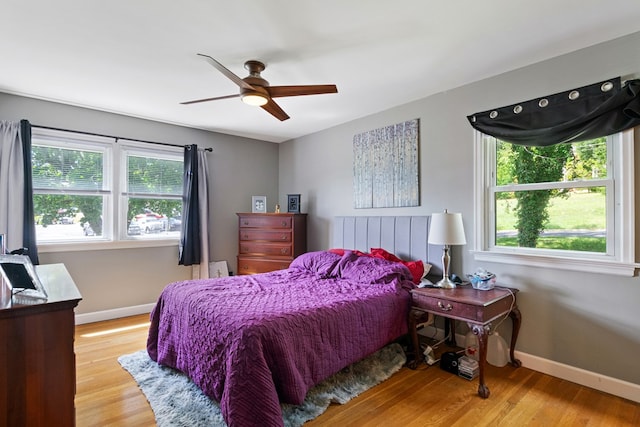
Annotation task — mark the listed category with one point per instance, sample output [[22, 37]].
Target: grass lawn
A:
[[582, 212]]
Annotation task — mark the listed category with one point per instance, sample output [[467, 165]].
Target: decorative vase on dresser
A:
[[270, 241]]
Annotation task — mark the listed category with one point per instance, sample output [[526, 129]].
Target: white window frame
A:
[[620, 256], [114, 229], [141, 150]]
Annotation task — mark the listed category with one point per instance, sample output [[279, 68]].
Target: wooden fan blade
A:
[[237, 80], [210, 99], [274, 109], [280, 91]]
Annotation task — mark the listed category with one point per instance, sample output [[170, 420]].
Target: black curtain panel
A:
[[190, 235], [29, 230], [580, 114]]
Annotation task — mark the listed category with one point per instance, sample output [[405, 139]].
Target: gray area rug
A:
[[176, 401]]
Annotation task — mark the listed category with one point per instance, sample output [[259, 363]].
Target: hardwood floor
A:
[[108, 396]]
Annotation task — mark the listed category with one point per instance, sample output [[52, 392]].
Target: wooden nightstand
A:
[[477, 308]]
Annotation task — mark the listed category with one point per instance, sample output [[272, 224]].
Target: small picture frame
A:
[[293, 203], [20, 276], [218, 269], [259, 204]]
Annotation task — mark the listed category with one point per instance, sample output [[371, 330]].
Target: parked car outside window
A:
[[145, 224], [175, 223]]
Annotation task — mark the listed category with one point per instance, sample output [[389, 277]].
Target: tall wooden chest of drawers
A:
[[270, 241], [37, 359]]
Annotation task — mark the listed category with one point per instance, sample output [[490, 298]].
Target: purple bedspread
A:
[[251, 342]]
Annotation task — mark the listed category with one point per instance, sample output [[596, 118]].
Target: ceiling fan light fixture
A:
[[256, 91], [254, 98]]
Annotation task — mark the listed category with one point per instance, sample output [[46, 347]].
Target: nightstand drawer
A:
[[465, 303], [450, 308]]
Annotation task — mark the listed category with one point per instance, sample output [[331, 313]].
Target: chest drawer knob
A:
[[443, 307]]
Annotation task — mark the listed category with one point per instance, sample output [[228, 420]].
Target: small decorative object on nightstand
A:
[[293, 203]]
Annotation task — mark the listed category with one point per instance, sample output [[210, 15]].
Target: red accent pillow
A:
[[415, 267]]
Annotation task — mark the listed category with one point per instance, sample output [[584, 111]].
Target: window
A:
[[153, 195], [94, 189], [562, 206]]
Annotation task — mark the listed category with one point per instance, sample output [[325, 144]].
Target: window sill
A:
[[105, 245], [584, 265]]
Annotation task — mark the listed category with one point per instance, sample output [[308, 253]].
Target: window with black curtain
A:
[[554, 179]]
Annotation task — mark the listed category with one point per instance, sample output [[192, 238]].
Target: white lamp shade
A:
[[446, 229]]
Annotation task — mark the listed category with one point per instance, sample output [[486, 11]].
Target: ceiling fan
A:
[[254, 90]]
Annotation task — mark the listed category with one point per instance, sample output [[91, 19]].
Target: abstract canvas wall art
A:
[[385, 166]]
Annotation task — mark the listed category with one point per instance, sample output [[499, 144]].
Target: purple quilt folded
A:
[[251, 342]]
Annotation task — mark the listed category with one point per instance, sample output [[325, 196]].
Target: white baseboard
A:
[[98, 316], [583, 377]]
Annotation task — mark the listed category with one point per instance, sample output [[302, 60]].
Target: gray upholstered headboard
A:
[[405, 236]]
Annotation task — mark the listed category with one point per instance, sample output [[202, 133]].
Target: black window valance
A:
[[588, 112]]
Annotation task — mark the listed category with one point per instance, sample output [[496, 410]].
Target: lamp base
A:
[[446, 283]]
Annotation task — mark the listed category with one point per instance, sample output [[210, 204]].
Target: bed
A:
[[251, 342]]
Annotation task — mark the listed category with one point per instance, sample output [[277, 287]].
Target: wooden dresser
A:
[[37, 360], [270, 241]]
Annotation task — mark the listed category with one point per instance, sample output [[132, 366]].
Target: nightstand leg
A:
[[414, 315], [516, 318], [482, 332]]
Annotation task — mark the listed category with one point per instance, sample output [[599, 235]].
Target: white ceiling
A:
[[138, 57]]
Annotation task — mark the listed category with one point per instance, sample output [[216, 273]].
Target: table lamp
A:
[[446, 229]]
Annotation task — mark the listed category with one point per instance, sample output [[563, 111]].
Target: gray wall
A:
[[117, 278], [588, 321]]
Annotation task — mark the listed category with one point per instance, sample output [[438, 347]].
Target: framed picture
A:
[[20, 276], [218, 269], [259, 204], [293, 203]]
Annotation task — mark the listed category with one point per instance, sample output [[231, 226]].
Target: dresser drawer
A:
[[254, 266], [261, 234], [265, 221], [273, 249]]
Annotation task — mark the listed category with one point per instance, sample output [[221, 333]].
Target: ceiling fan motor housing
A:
[[254, 78]]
